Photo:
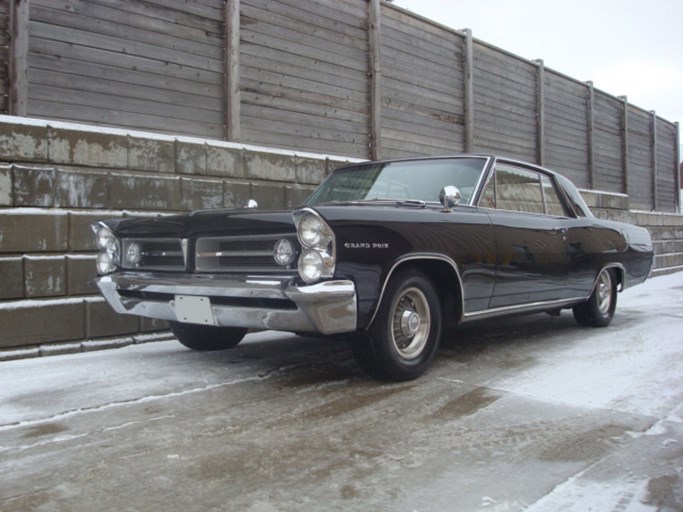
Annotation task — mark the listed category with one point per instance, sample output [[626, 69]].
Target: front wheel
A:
[[598, 310], [402, 341], [207, 337]]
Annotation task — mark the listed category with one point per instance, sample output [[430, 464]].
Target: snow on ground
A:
[[32, 390], [650, 349], [541, 415]]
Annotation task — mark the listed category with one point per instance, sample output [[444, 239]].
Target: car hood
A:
[[206, 223], [263, 222]]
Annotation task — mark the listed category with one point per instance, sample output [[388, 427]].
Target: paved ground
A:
[[532, 413]]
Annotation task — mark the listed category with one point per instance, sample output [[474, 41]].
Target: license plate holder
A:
[[193, 309]]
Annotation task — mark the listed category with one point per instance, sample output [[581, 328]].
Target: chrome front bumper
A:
[[259, 302]]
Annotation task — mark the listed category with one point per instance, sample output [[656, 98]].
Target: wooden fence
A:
[[359, 78]]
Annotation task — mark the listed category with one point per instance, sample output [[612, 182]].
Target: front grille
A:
[[154, 254], [241, 254]]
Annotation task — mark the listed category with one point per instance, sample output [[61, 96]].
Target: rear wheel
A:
[[403, 339], [207, 337], [598, 310]]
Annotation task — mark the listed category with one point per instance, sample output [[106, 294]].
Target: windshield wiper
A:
[[418, 203]]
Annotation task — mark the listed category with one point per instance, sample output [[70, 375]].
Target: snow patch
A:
[[148, 338], [90, 257], [591, 376], [578, 495], [106, 343], [20, 353], [602, 192], [63, 125], [37, 303], [42, 257], [33, 211]]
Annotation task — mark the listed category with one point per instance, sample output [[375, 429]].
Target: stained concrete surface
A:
[[532, 413]]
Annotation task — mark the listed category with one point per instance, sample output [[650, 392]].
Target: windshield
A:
[[418, 180]]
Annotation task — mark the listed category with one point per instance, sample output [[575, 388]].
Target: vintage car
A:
[[389, 254]]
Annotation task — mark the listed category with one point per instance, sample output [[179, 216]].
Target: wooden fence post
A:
[[677, 170], [468, 70], [18, 85], [374, 47], [540, 112], [591, 134], [624, 142], [232, 70], [653, 145]]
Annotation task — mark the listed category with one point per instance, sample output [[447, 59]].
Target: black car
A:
[[389, 253]]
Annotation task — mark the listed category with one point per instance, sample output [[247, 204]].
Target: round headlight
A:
[[311, 265], [310, 230], [283, 252], [105, 263], [133, 254], [105, 238]]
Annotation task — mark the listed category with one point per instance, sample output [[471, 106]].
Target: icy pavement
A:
[[532, 413]]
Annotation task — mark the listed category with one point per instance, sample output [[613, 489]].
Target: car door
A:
[[529, 224]]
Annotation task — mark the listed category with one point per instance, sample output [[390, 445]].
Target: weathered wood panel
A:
[[641, 194], [304, 75], [566, 127], [422, 87], [504, 104], [608, 143], [667, 167], [4, 55], [152, 65]]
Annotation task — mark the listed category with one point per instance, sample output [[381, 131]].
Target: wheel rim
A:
[[603, 293], [410, 323]]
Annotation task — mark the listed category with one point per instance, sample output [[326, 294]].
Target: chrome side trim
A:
[[521, 308], [543, 305], [420, 256], [328, 307]]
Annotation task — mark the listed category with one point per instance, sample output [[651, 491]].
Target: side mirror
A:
[[449, 197]]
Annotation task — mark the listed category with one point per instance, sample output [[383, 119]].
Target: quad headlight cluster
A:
[[317, 258], [109, 257]]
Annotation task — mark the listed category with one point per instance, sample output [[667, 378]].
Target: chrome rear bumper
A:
[[256, 302]]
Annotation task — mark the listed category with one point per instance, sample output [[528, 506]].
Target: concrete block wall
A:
[[666, 229], [57, 178]]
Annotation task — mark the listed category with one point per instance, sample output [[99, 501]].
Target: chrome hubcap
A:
[[410, 323], [604, 292]]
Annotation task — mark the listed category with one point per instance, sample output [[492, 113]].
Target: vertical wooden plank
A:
[[624, 142], [654, 159], [591, 135], [468, 68], [18, 84], [677, 171], [540, 112], [232, 70], [374, 46]]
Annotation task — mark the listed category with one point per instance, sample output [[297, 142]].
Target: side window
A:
[[553, 203], [521, 190], [518, 190]]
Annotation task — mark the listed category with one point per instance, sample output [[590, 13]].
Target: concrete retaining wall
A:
[[666, 229], [57, 178]]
